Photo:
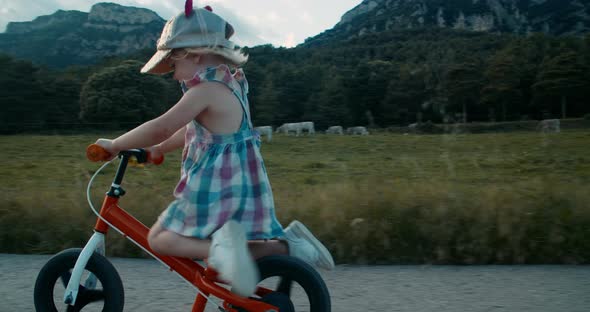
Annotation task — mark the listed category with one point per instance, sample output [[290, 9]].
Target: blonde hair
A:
[[234, 56]]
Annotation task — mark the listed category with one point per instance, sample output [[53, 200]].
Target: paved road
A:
[[149, 287]]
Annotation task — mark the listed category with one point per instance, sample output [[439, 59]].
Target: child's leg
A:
[[230, 257], [260, 248], [169, 243]]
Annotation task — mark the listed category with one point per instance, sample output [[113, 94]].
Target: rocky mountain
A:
[[74, 37], [556, 17]]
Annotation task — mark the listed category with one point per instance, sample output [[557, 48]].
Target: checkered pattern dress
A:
[[223, 177]]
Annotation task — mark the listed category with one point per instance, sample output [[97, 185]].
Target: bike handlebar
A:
[[96, 153]]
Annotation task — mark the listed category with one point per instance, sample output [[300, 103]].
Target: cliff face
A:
[[74, 37], [115, 17], [57, 19], [556, 17]]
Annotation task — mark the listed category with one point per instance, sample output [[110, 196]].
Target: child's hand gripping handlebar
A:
[[95, 153]]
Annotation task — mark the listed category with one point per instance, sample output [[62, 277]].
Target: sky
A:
[[278, 22]]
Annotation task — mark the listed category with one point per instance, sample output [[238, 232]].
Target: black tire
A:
[[289, 270], [58, 270]]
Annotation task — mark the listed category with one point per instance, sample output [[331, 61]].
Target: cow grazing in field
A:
[[297, 127], [265, 131], [307, 126], [335, 130], [357, 131], [287, 128], [549, 125]]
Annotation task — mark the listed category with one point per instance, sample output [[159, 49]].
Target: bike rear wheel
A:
[[57, 272], [296, 285]]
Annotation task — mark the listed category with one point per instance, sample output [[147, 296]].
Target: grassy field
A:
[[386, 198]]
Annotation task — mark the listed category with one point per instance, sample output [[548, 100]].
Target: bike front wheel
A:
[[106, 295]]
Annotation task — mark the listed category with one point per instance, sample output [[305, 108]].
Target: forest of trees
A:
[[379, 80]]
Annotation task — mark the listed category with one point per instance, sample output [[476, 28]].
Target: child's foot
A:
[[230, 257], [303, 245]]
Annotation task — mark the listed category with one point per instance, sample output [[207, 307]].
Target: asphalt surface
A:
[[150, 287]]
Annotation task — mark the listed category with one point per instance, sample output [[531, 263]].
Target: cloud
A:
[[256, 22], [252, 20], [290, 41], [292, 4], [273, 17], [248, 31], [306, 18]]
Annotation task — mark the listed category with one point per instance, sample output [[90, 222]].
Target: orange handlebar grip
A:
[[155, 161], [95, 153]]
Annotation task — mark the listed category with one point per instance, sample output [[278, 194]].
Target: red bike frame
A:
[[202, 278]]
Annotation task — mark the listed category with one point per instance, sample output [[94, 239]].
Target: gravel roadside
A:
[[149, 287]]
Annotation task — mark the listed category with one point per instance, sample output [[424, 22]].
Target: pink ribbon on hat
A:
[[188, 8]]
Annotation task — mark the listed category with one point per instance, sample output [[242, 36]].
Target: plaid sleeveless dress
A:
[[223, 176]]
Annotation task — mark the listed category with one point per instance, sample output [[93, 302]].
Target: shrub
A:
[[121, 94]]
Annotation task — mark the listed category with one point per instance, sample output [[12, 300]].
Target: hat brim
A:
[[156, 64]]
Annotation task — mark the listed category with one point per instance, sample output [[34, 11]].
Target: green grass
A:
[[386, 198]]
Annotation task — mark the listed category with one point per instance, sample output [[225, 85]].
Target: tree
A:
[[292, 93], [563, 77], [463, 85], [62, 100], [264, 104], [122, 95], [378, 80], [404, 96], [503, 82], [527, 55], [21, 96], [331, 104]]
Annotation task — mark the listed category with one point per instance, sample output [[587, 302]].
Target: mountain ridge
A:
[[74, 37], [523, 17]]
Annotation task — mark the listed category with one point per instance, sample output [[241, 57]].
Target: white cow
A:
[[335, 130], [308, 126], [265, 131], [286, 128], [357, 130], [549, 125], [297, 127]]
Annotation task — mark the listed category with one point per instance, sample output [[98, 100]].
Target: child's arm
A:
[[174, 142], [160, 129]]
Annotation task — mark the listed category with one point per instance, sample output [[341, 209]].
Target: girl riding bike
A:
[[224, 208]]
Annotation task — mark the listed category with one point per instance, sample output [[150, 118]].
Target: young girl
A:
[[224, 208]]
